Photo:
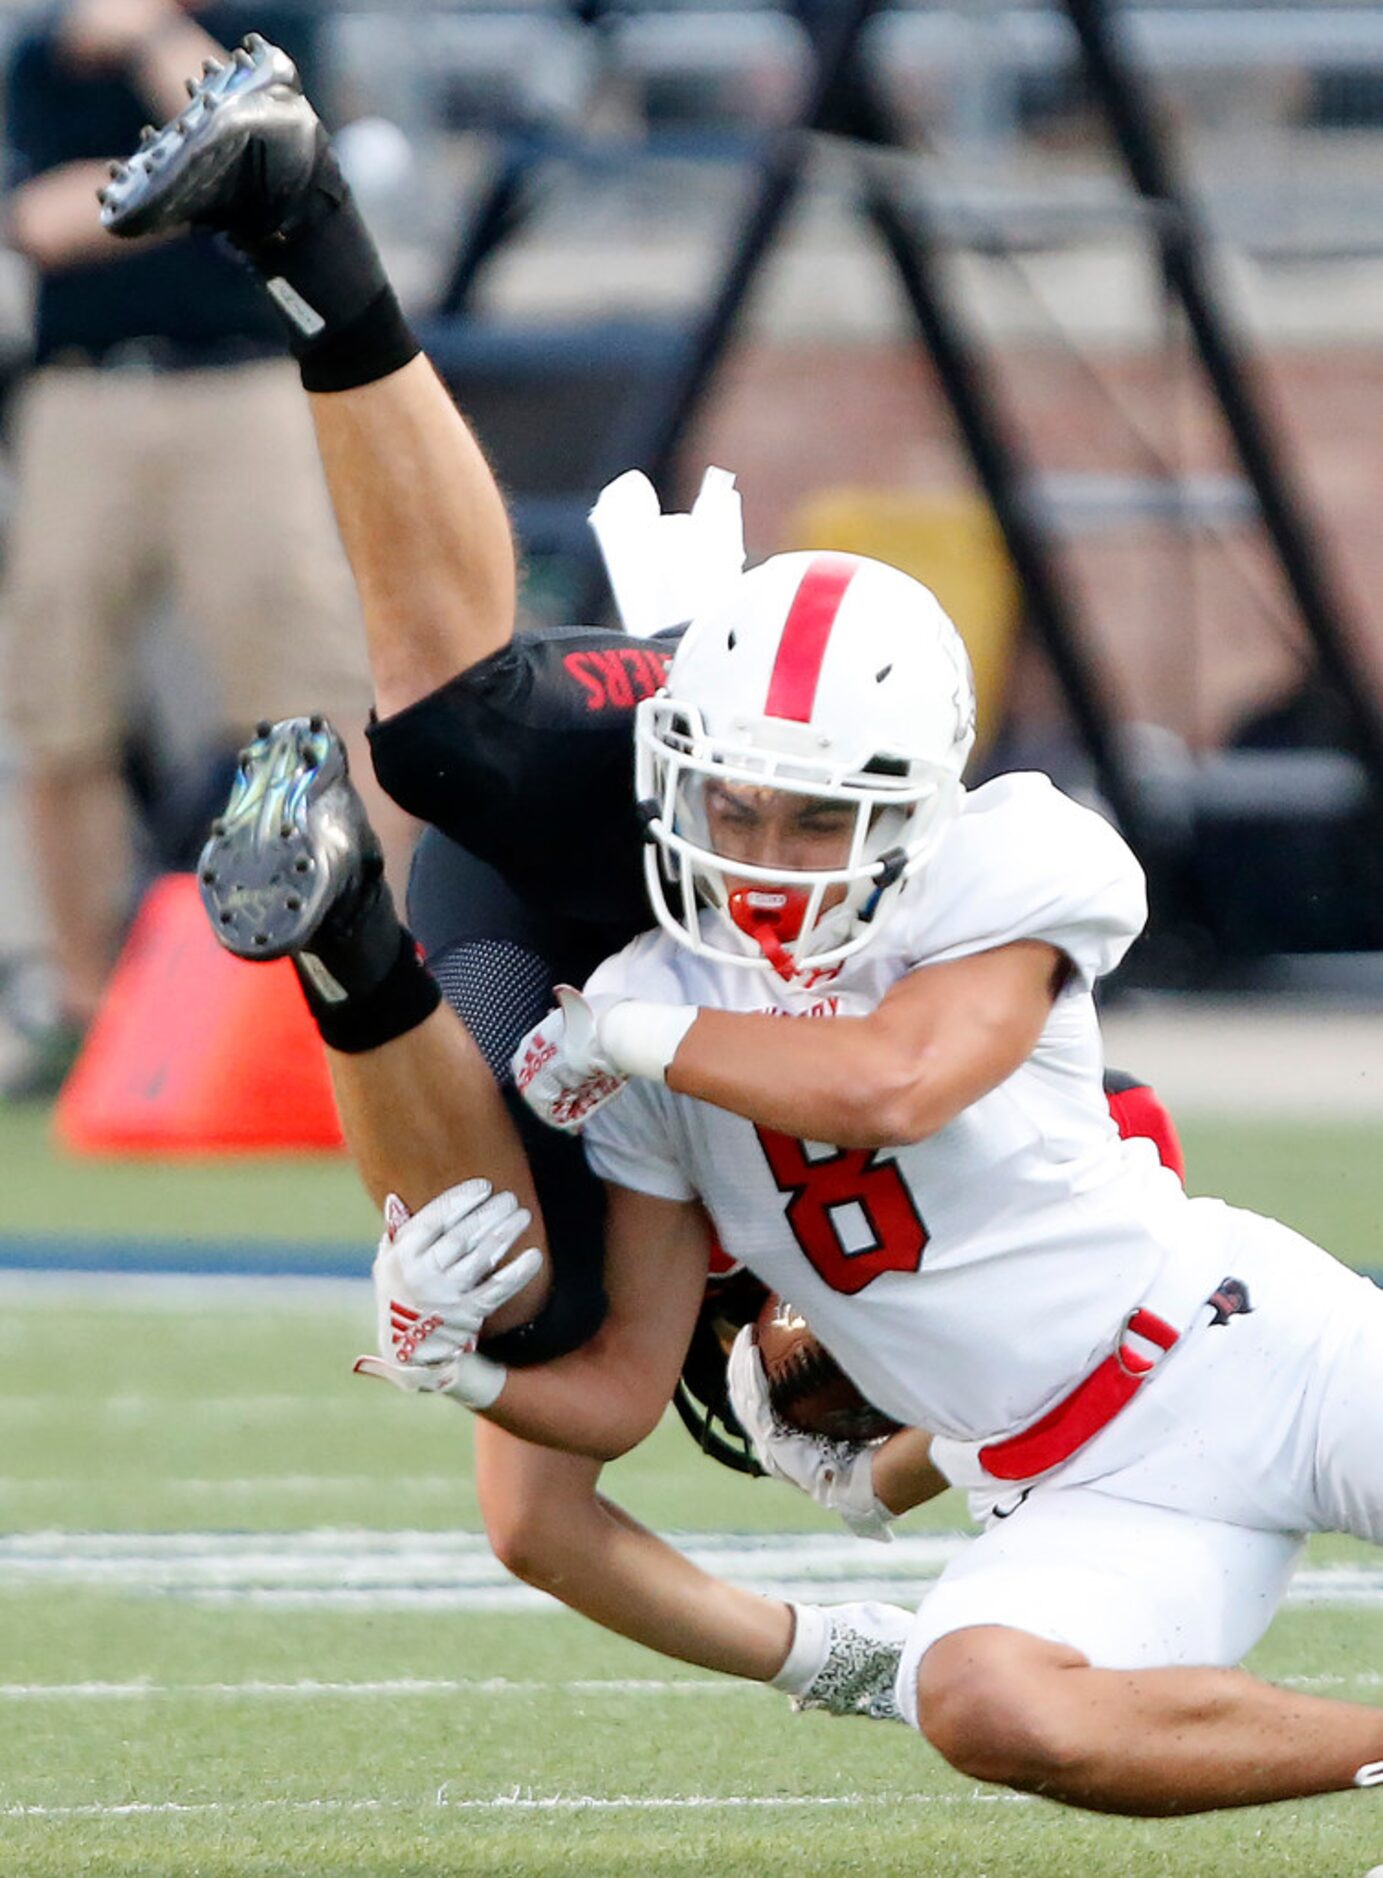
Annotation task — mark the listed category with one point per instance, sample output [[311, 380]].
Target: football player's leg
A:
[[424, 527], [1082, 1650], [423, 522], [421, 1113], [293, 869], [1345, 1454], [1012, 1708]]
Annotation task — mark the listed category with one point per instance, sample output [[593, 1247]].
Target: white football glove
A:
[[844, 1659], [588, 1048], [559, 1068], [837, 1474], [436, 1283]]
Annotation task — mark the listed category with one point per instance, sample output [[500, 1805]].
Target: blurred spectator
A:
[[162, 443]]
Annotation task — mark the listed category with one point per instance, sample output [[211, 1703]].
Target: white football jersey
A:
[[968, 1281]]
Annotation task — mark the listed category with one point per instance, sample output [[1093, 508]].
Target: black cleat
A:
[[294, 853], [238, 158]]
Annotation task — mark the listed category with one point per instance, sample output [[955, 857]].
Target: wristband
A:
[[476, 1381], [811, 1644], [854, 1498], [641, 1039]]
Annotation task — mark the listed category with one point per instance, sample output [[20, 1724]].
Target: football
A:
[[807, 1388]]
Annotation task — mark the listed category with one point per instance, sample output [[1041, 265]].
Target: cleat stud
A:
[[180, 129], [118, 172], [209, 877], [210, 67], [316, 724], [302, 865], [261, 938], [103, 196], [255, 42], [243, 59], [148, 133], [226, 918], [293, 903], [190, 84], [209, 101], [218, 827], [263, 727]]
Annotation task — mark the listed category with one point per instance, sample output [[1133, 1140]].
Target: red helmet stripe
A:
[[797, 668]]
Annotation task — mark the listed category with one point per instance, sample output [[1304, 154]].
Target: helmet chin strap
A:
[[772, 917]]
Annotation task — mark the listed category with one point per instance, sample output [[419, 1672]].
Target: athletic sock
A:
[[363, 980], [322, 270]]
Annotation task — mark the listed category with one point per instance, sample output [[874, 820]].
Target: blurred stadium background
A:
[[917, 274]]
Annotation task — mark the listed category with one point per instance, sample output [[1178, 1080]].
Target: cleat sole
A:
[[178, 176], [266, 874]]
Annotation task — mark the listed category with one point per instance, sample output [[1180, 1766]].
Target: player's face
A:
[[773, 828]]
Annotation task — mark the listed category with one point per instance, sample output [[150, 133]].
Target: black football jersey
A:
[[527, 760]]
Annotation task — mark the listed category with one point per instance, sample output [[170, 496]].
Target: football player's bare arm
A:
[[942, 1037], [415, 1112], [549, 1526], [424, 527], [607, 1396], [422, 1113], [52, 219], [902, 1471]]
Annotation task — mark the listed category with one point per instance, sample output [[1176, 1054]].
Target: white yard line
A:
[[358, 1570], [311, 1689], [1361, 1679], [233, 1294], [521, 1802], [135, 1404], [297, 1484], [590, 1803]]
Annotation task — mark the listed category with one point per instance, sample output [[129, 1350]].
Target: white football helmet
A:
[[824, 675]]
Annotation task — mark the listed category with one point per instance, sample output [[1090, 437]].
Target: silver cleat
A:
[[190, 170]]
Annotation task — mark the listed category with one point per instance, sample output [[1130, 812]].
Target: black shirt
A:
[[527, 760], [189, 293]]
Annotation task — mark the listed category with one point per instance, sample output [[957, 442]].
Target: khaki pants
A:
[[203, 484]]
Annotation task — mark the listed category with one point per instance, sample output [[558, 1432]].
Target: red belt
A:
[[1091, 1405]]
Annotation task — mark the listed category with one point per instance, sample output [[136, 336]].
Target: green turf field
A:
[[247, 1632], [1325, 1180]]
